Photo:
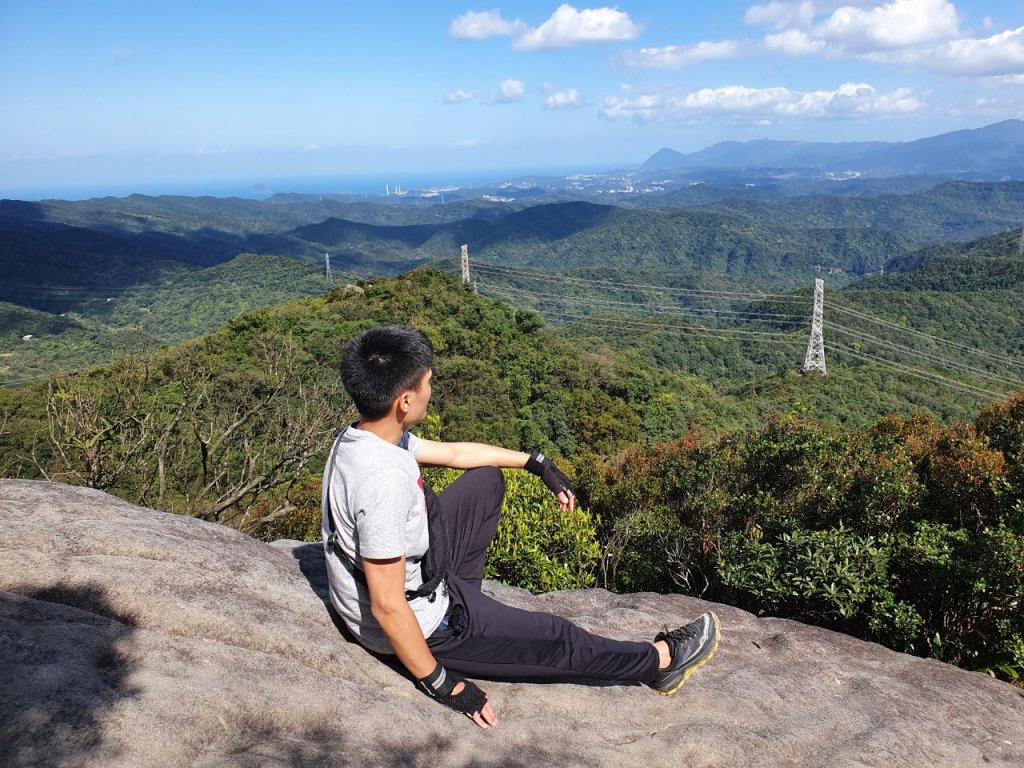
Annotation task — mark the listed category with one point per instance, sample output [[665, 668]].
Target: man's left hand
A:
[[540, 465]]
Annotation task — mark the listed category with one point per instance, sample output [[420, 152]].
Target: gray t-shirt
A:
[[375, 492]]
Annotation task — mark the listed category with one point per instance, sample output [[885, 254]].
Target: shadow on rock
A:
[[319, 748], [313, 567], [310, 558], [65, 660]]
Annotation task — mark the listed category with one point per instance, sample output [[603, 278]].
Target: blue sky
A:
[[111, 92]]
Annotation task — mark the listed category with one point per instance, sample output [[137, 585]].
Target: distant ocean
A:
[[261, 188]]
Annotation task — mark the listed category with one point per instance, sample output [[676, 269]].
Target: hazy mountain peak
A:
[[994, 151]]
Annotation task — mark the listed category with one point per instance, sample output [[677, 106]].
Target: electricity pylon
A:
[[815, 359]]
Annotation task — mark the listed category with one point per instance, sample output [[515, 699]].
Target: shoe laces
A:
[[682, 634]]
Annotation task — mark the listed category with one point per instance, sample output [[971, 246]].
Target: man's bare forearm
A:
[[470, 455], [403, 632]]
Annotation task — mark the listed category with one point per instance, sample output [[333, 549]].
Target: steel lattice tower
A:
[[327, 261], [465, 263], [815, 359]]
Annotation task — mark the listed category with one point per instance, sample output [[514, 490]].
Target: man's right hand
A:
[[458, 694], [485, 718]]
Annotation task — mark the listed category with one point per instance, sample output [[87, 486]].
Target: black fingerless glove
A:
[[552, 476], [439, 685]]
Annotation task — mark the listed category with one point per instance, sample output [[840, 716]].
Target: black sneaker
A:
[[690, 647]]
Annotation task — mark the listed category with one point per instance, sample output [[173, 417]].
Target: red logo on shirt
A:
[[423, 493]]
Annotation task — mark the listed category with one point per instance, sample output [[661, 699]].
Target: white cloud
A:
[[567, 99], [757, 104], [508, 92], [991, 60], [1000, 55], [924, 34], [464, 144], [800, 13], [568, 27], [888, 31], [679, 56], [474, 25], [780, 14], [869, 29], [792, 42], [457, 96], [1007, 80], [896, 24]]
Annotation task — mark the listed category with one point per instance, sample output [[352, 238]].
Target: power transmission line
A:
[[560, 278], [699, 329], [943, 361], [661, 308], [927, 375], [632, 307], [937, 339]]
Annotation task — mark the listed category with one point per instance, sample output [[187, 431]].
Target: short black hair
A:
[[381, 363]]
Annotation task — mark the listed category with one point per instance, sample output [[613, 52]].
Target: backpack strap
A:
[[435, 561]]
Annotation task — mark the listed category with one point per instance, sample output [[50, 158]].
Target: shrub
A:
[[1003, 424], [967, 587], [966, 480], [662, 509], [835, 578], [795, 470]]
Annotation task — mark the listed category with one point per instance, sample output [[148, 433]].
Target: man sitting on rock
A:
[[406, 566]]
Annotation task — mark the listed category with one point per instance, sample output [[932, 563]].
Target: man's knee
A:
[[490, 480]]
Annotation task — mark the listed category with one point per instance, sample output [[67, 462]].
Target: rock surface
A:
[[135, 638]]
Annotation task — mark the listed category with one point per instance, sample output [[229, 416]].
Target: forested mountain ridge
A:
[[110, 244], [771, 241], [953, 210], [675, 374], [140, 255], [504, 376], [181, 215]]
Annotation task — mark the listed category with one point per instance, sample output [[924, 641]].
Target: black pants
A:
[[491, 639]]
